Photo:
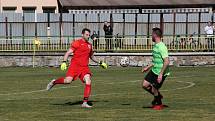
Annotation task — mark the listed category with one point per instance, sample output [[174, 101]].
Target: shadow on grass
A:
[[77, 103], [165, 106], [126, 104]]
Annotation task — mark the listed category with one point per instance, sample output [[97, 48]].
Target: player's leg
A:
[[87, 90], [63, 80], [150, 84], [157, 95], [70, 76], [60, 80], [148, 80], [157, 102], [147, 86]]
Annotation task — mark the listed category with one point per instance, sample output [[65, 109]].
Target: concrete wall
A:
[[28, 3], [55, 61]]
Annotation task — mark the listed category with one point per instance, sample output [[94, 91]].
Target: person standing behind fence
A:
[[209, 31], [108, 29], [95, 37]]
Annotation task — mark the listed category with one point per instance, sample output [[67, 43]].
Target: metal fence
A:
[[28, 24], [131, 32], [114, 44]]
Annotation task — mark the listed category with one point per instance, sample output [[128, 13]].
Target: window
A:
[[29, 14], [49, 9], [9, 9], [29, 9]]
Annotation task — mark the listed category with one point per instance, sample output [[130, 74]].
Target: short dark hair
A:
[[157, 31], [85, 29]]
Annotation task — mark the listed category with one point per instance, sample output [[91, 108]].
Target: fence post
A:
[[11, 41], [73, 25], [48, 31], [174, 26], [99, 23], [86, 20], [60, 25], [6, 30], [35, 24], [123, 27], [148, 26], [186, 24], [135, 41], [161, 22], [98, 32], [199, 27], [23, 32]]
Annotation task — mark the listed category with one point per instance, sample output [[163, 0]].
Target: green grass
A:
[[116, 96]]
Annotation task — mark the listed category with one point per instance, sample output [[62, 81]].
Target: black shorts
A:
[[151, 77]]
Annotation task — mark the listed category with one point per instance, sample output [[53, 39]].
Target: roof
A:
[[107, 4]]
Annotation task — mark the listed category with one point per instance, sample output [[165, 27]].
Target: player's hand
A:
[[103, 65], [160, 77], [145, 69], [63, 66]]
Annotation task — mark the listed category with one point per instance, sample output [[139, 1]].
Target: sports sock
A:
[[59, 81], [159, 94], [158, 100], [87, 92]]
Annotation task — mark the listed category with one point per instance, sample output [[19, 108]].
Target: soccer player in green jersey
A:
[[159, 69]]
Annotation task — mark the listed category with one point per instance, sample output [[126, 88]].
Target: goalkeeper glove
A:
[[103, 65], [63, 66]]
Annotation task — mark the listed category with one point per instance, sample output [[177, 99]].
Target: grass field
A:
[[116, 96]]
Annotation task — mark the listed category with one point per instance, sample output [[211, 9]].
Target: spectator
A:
[[108, 29], [95, 37], [209, 31]]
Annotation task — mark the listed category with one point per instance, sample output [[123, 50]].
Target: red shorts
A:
[[78, 72]]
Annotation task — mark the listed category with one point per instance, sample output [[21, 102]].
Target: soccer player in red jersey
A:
[[82, 52]]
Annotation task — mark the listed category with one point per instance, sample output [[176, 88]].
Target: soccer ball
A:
[[124, 62]]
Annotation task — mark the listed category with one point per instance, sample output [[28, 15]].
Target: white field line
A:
[[190, 84]]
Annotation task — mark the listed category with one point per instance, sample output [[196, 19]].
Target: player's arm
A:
[[165, 57], [73, 47], [63, 64], [148, 67], [93, 58], [101, 64], [69, 52], [165, 65]]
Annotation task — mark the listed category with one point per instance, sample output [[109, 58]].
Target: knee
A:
[[87, 79], [88, 82], [68, 80], [145, 85]]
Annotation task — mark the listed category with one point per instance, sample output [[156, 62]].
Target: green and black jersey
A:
[[159, 53]]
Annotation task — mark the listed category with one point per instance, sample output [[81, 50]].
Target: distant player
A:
[[82, 52], [159, 69]]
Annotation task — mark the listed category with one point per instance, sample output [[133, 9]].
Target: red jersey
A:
[[82, 51]]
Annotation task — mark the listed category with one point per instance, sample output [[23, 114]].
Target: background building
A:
[[28, 6]]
